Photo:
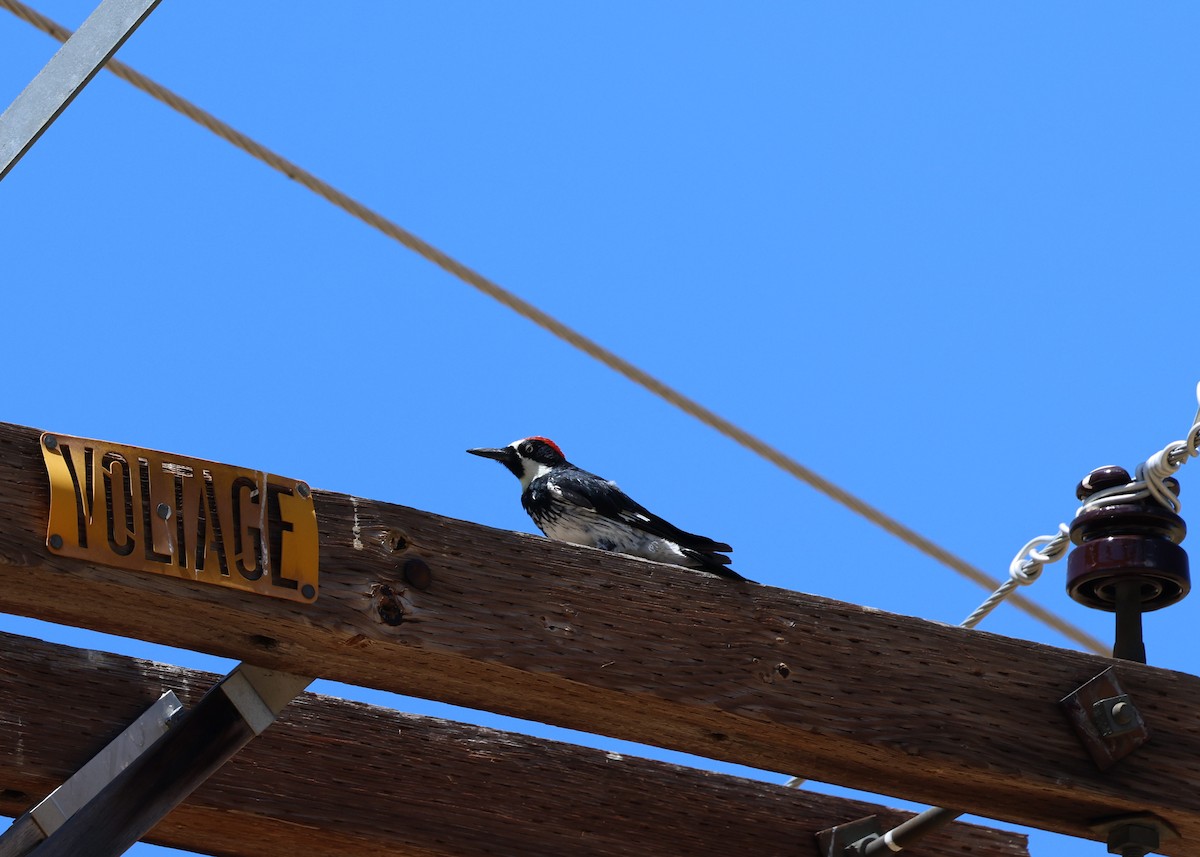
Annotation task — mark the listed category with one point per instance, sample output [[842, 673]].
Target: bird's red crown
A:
[[548, 442]]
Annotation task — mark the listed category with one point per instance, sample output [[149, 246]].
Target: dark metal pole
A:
[[1128, 643]]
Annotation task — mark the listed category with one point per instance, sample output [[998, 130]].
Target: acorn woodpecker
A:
[[572, 505]]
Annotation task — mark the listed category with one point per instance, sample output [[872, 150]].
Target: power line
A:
[[563, 332]]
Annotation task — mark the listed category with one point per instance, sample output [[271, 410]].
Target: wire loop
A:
[[1149, 482], [1026, 566]]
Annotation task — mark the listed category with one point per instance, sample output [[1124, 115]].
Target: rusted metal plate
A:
[[1106, 720], [182, 517]]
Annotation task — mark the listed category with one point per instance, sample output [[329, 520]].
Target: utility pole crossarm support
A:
[[50, 814], [67, 73], [87, 782], [155, 781], [428, 606]]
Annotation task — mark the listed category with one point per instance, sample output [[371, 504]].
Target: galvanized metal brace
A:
[[87, 782], [66, 74], [257, 695]]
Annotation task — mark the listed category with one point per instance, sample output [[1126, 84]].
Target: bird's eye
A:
[[527, 449]]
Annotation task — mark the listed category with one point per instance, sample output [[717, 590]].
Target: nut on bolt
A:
[[1134, 835], [1115, 715], [1133, 840]]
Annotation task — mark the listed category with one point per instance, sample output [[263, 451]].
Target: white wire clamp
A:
[[1025, 568], [1150, 481]]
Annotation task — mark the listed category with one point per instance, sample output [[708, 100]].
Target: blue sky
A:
[[941, 253]]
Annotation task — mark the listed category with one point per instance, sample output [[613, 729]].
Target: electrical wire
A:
[[562, 331]]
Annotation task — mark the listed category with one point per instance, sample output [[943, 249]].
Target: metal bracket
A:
[[837, 841], [1106, 720], [87, 782], [260, 694]]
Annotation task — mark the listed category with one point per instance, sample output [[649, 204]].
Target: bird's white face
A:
[[530, 469]]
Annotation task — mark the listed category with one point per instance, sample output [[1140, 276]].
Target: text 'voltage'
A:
[[168, 514]]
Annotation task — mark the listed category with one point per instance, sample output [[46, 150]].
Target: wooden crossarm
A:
[[755, 675], [334, 777]]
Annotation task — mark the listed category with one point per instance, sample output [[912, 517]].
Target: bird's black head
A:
[[541, 450], [526, 458]]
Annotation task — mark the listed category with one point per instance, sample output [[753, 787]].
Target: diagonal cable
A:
[[563, 332]]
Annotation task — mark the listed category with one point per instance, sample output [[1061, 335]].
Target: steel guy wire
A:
[[1149, 482], [562, 331]]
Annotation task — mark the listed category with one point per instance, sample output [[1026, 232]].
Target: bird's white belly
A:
[[586, 528]]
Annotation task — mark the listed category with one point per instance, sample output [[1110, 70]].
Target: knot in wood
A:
[[388, 603]]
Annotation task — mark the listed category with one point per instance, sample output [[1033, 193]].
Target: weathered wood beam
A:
[[333, 777], [750, 674]]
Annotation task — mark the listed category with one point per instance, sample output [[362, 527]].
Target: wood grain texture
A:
[[764, 677], [22, 836], [333, 777]]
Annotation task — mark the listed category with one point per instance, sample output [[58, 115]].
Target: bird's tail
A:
[[713, 563]]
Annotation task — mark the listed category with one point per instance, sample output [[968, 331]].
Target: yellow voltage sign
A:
[[183, 517]]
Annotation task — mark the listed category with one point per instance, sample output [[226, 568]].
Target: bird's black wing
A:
[[581, 488]]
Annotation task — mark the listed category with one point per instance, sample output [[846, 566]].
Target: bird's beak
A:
[[504, 455]]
